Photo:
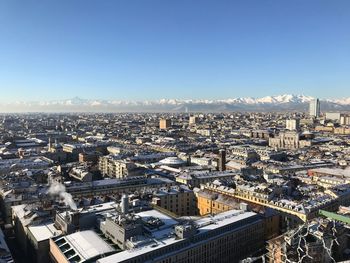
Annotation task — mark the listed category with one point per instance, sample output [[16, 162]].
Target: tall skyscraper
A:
[[315, 108]]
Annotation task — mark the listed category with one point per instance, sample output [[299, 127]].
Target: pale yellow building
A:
[[164, 124]]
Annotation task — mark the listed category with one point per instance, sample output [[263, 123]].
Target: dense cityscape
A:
[[175, 187], [155, 131]]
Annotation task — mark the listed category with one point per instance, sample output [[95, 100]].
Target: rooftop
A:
[[165, 235], [44, 231], [86, 245]]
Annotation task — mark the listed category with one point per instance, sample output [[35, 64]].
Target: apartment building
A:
[[114, 167]]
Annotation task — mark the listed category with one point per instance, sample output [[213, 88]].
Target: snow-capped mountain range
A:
[[279, 102]]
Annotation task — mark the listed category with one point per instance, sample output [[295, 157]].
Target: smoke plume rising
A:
[[58, 189]]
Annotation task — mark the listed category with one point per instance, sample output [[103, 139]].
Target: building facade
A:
[[315, 108], [164, 124], [116, 168]]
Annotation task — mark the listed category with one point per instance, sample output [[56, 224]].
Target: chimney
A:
[[75, 219], [125, 204]]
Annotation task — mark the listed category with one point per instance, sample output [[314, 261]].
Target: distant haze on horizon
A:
[[286, 102], [176, 98], [149, 50]]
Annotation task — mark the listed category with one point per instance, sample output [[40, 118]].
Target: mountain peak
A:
[[267, 103]]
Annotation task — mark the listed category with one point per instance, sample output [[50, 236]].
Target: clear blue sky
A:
[[151, 49]]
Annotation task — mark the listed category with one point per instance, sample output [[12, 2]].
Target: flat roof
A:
[[87, 244], [333, 171], [167, 220], [164, 236], [44, 231]]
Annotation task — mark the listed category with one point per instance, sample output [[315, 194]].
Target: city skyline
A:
[[174, 131], [148, 51]]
